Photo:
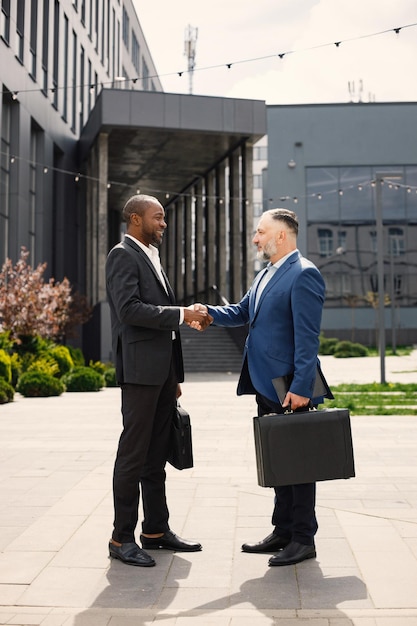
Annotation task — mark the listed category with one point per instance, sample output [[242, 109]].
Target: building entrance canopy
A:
[[161, 143]]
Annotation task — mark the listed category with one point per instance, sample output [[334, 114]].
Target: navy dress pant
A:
[[294, 513]]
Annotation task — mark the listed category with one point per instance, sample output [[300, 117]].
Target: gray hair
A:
[[287, 216]]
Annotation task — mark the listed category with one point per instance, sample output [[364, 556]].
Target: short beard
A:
[[269, 250]]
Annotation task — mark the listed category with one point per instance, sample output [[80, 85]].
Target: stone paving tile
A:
[[55, 491]]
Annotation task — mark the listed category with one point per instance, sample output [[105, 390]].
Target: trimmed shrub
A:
[[45, 364], [83, 379], [6, 392], [327, 344], [98, 366], [16, 365], [77, 356], [110, 377], [346, 349], [37, 384], [5, 366], [63, 358]]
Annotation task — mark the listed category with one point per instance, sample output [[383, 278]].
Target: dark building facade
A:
[[338, 167], [85, 125]]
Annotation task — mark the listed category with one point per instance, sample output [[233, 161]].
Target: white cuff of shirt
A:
[[181, 315]]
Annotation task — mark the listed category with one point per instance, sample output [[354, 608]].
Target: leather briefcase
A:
[[303, 447], [181, 452]]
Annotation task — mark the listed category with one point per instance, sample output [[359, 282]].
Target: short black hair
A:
[[137, 204]]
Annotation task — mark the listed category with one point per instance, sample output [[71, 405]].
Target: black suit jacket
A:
[[143, 317]]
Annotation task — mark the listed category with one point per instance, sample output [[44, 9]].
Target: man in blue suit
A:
[[283, 309]]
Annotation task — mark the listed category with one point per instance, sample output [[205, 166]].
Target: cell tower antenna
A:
[[190, 45]]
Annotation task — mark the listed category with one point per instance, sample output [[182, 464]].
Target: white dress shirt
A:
[[153, 253]]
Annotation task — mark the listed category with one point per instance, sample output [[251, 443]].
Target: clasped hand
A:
[[197, 316]]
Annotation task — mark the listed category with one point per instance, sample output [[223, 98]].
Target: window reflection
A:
[[342, 239]]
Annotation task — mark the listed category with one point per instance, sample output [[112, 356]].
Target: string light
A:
[[173, 194], [281, 55]]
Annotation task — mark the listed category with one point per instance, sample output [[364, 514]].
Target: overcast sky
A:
[[232, 31]]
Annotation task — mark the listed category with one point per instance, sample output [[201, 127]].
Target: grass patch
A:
[[375, 398], [400, 351]]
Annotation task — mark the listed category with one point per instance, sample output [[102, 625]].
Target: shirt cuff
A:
[[181, 315]]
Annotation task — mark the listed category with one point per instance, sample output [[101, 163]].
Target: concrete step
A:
[[213, 350]]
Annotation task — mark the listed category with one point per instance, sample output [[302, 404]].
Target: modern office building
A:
[[85, 125], [339, 167]]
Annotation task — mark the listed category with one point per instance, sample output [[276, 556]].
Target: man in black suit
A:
[[147, 351]]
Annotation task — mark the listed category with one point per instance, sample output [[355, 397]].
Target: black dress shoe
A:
[[131, 554], [169, 541], [293, 553], [272, 543]]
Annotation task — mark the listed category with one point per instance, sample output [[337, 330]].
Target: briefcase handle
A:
[[310, 406]]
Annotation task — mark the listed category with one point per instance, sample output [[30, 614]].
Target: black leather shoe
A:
[[272, 543], [169, 541], [293, 553], [131, 554]]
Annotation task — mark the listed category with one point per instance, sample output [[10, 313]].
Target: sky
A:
[[378, 68]]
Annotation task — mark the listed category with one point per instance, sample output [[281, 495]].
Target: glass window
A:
[[125, 28], [20, 29], [5, 10], [74, 82], [45, 46], [5, 178], [55, 71], [325, 241], [145, 75], [33, 35], [396, 241], [135, 53]]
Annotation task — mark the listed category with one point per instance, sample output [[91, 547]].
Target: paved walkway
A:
[[56, 459]]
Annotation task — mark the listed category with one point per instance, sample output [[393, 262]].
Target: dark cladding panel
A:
[[202, 113], [115, 107]]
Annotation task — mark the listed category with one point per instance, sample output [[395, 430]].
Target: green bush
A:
[[5, 366], [16, 366], [327, 344], [32, 344], [77, 356], [346, 349], [63, 358], [110, 377], [98, 366], [83, 379], [45, 364], [37, 384], [6, 392], [5, 342]]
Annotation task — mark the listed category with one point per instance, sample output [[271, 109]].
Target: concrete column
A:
[[179, 250], [188, 250], [221, 270], [210, 236], [168, 247], [102, 229], [199, 242], [234, 229], [247, 217]]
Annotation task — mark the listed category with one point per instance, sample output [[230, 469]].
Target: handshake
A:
[[197, 316]]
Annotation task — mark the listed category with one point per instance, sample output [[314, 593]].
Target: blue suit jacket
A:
[[284, 329]]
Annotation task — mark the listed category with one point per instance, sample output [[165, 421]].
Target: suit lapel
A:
[[279, 274], [147, 260]]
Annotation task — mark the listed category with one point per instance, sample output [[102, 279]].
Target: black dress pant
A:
[[294, 513], [147, 412]]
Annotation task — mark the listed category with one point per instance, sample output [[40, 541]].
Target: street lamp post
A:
[[379, 179]]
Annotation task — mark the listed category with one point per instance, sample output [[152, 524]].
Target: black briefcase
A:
[[303, 447], [181, 451]]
